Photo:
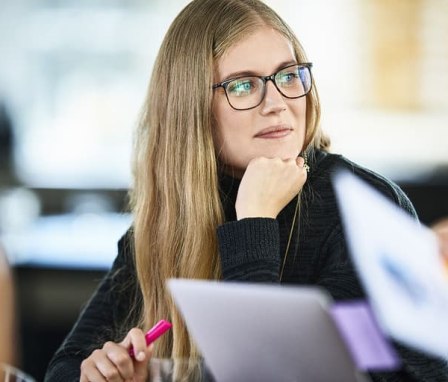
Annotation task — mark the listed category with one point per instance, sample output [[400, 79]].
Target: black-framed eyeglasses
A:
[[244, 93]]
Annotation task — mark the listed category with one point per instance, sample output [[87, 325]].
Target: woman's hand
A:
[[113, 363], [268, 185]]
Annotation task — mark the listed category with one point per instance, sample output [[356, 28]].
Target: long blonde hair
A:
[[175, 198]]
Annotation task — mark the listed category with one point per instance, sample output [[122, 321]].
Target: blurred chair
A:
[[7, 317]]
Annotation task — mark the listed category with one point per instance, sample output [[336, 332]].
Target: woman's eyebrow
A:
[[244, 73]]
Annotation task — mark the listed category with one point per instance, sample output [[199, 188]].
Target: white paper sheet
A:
[[399, 265]]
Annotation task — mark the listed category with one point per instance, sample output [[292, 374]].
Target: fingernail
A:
[[141, 356]]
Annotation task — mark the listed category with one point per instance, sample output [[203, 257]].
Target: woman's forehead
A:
[[261, 52]]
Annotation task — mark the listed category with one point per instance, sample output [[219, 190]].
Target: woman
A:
[[221, 191]]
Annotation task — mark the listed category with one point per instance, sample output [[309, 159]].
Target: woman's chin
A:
[[286, 154]]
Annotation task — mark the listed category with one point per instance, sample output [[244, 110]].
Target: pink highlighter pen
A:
[[155, 332]]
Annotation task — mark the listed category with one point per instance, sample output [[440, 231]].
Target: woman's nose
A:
[[273, 101]]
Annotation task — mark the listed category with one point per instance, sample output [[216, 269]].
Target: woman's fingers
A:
[[112, 363], [135, 339], [93, 376], [118, 364], [300, 161], [89, 371], [141, 367]]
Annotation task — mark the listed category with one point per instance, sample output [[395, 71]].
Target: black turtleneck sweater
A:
[[253, 250]]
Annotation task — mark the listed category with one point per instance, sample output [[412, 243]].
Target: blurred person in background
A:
[[7, 306], [8, 339], [19, 206], [440, 228], [7, 175], [232, 181]]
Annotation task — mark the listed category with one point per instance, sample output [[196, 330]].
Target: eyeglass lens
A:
[[248, 92]]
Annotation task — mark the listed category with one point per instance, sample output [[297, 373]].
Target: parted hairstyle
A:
[[175, 196]]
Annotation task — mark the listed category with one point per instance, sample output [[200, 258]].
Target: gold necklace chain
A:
[[290, 236], [307, 168]]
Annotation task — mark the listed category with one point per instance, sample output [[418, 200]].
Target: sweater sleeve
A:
[[250, 250], [96, 324]]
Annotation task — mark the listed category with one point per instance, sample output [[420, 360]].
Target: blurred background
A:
[[73, 76]]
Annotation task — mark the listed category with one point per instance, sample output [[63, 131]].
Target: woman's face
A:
[[275, 128]]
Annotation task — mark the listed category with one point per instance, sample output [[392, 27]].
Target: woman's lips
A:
[[274, 132]]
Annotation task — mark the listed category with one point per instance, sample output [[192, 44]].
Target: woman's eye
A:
[[240, 88], [288, 78]]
